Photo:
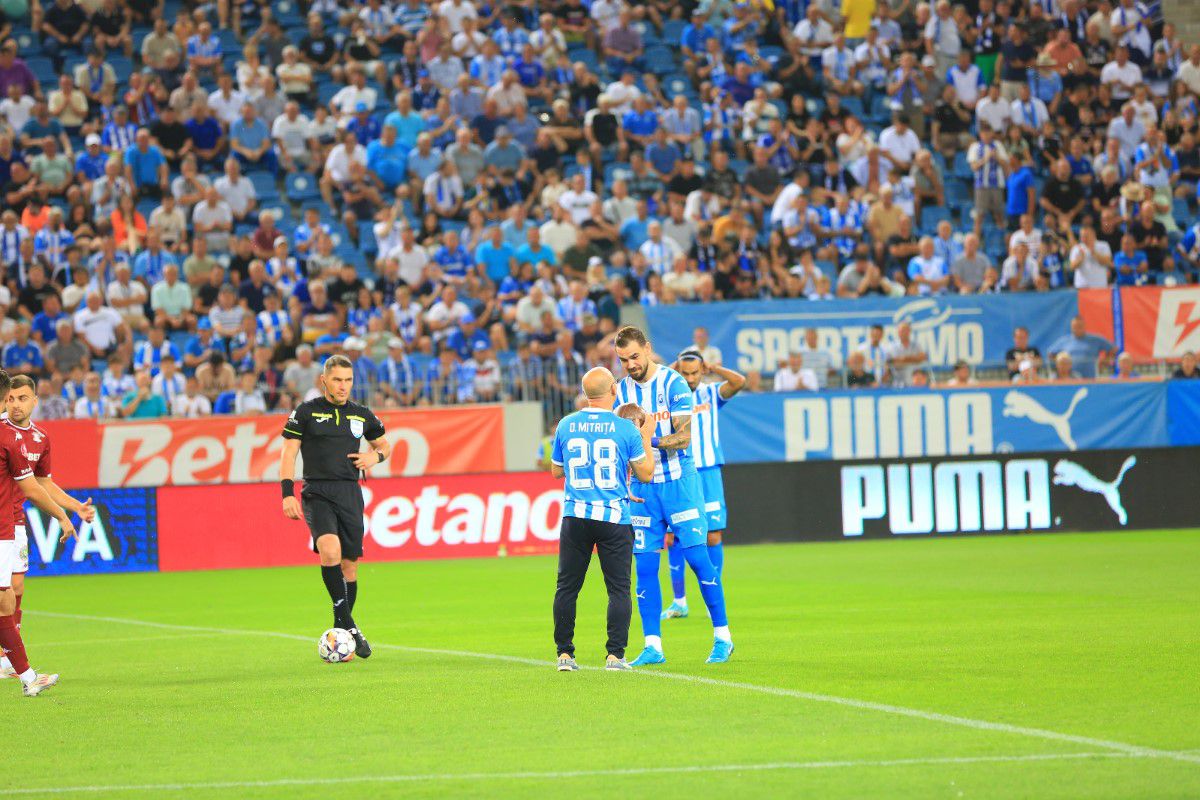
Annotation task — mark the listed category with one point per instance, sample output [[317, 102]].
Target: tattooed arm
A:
[[681, 438]]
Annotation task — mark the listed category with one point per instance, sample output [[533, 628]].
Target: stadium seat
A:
[[673, 31], [301, 187], [264, 186]]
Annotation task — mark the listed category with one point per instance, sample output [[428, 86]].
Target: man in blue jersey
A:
[[672, 499], [707, 399], [595, 450]]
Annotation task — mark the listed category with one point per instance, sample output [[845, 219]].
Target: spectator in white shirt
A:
[[191, 403], [1121, 74], [578, 200], [899, 143], [993, 111], [100, 326], [660, 251], [248, 399], [1091, 260], [794, 376]]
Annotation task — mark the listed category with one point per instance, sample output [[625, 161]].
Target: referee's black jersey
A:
[[328, 434]]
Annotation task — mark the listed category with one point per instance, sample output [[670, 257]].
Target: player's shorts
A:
[[8, 562], [335, 507], [21, 565], [677, 506], [713, 488]]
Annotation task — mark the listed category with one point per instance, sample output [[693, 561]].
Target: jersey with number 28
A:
[[706, 429], [664, 396], [595, 447]]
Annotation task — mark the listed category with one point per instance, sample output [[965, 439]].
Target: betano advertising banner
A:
[[223, 450], [758, 334], [1100, 490], [846, 425], [451, 516]]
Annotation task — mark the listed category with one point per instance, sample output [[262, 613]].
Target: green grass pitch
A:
[[1039, 667]]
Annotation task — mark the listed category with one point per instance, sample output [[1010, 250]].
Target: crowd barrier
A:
[[1099, 490], [1149, 322], [175, 528], [758, 334], [224, 450], [853, 424]]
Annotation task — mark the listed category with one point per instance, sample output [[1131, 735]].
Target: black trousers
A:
[[614, 543]]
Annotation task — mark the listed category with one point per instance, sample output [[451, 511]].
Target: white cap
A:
[[91, 140]]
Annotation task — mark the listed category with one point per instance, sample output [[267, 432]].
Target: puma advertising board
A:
[[1096, 490]]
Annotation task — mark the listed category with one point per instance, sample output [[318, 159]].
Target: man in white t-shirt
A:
[[1092, 260], [1121, 75], [813, 33], [577, 201], [345, 102], [455, 11], [191, 403], [786, 199], [411, 257], [292, 133], [899, 143], [794, 376], [100, 326], [337, 163], [1188, 71], [993, 111]]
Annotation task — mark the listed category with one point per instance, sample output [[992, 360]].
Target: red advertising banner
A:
[[449, 516], [1158, 322], [223, 450]]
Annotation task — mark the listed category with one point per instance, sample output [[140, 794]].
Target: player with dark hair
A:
[[15, 474], [707, 400], [34, 444], [673, 499], [328, 431]]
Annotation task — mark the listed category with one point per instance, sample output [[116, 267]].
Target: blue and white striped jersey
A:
[[595, 448], [665, 395], [706, 428]]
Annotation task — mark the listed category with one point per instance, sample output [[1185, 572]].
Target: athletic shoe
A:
[[7, 672], [567, 664], [40, 684], [721, 652], [674, 611], [617, 664], [361, 648], [649, 656]]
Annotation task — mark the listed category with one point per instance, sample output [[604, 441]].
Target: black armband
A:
[[289, 487]]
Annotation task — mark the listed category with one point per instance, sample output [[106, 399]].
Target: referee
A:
[[328, 432], [594, 450]]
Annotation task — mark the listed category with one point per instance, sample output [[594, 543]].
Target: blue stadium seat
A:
[[673, 31], [301, 187], [366, 239], [264, 186], [932, 215]]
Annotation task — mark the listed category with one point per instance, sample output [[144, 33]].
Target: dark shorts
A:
[[335, 507]]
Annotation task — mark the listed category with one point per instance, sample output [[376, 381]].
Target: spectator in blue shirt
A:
[[89, 165], [640, 124], [1087, 350], [495, 256], [1021, 190], [503, 153], [364, 125], [208, 140], [22, 355], [146, 168], [387, 159], [533, 251], [45, 322], [250, 141], [407, 122], [1131, 264], [463, 339]]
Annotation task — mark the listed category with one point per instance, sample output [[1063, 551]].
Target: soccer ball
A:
[[335, 646]]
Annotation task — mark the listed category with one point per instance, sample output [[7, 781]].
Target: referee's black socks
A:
[[335, 584]]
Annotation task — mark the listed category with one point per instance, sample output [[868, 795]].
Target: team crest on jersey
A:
[[37, 437], [356, 428], [661, 400]]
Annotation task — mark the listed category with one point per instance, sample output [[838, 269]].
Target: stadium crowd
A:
[[202, 201]]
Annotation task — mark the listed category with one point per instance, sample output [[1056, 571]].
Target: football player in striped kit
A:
[[672, 500], [707, 400]]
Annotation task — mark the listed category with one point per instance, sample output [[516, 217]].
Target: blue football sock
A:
[[710, 583], [677, 562], [716, 554], [649, 593]]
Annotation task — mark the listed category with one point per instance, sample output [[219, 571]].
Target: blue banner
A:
[[122, 538], [1183, 412], [920, 423], [758, 334]]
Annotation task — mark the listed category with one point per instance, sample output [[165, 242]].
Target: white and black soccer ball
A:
[[335, 646]]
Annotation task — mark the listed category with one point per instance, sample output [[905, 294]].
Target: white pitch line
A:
[[847, 702], [163, 637], [561, 775]]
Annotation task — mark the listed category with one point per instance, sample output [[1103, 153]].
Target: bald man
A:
[[594, 450]]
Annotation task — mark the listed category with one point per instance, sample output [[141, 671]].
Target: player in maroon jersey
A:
[[35, 445], [16, 479]]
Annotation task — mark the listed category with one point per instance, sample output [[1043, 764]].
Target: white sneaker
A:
[[40, 684]]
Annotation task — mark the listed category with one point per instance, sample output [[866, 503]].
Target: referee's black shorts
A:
[[335, 507]]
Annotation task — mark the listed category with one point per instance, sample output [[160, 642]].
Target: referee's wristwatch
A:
[[379, 455]]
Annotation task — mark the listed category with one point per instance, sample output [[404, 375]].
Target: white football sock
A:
[[722, 633], [5, 663], [655, 642], [681, 601], [28, 676]]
